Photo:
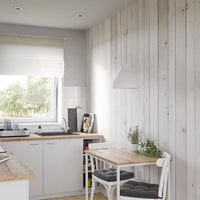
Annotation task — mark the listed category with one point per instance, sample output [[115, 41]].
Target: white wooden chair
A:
[[106, 176], [132, 190]]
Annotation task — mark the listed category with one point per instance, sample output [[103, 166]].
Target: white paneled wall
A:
[[164, 42], [72, 97]]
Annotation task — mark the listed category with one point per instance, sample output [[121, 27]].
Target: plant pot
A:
[[134, 147]]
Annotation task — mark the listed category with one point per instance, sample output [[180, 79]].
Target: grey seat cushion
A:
[[139, 190], [110, 174]]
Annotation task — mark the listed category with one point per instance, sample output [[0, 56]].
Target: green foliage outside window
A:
[[31, 100]]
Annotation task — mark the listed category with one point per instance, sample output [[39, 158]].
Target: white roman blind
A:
[[31, 56]]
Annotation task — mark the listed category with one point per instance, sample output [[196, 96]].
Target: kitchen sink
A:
[[55, 133]]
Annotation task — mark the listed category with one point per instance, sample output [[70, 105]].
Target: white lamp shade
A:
[[128, 78]]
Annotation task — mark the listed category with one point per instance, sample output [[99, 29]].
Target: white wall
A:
[[164, 42]]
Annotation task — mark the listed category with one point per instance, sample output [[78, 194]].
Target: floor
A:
[[97, 196]]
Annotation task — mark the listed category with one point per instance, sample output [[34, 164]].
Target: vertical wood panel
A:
[[132, 53], [140, 50], [120, 58], [181, 149], [115, 93], [140, 60], [146, 34], [140, 54], [108, 82], [197, 97], [163, 75], [154, 122], [190, 71], [130, 57], [104, 71], [172, 90], [123, 93], [88, 48]]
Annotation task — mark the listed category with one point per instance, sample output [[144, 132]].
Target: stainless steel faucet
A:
[[66, 129], [65, 125]]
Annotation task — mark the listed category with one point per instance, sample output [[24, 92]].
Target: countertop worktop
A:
[[37, 137], [122, 156], [13, 169]]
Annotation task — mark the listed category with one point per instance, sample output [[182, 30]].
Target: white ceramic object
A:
[[134, 147]]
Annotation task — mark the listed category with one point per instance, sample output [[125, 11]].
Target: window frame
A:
[[56, 102]]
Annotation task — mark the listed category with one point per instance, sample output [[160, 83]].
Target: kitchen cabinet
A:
[[63, 164], [57, 163], [31, 154], [11, 190]]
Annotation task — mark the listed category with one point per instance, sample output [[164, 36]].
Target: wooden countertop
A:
[[123, 156], [13, 169], [37, 137]]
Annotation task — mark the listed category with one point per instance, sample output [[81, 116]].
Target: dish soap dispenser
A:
[[39, 129]]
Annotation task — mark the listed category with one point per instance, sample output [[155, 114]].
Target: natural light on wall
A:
[[99, 94], [30, 72]]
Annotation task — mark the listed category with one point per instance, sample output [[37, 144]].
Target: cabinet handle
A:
[[34, 144], [51, 143]]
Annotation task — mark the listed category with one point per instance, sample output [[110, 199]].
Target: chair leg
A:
[[109, 191], [93, 189], [112, 191]]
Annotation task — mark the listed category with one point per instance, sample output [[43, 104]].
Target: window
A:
[[31, 69], [28, 98]]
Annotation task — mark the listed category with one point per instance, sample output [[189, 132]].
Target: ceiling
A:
[[58, 13]]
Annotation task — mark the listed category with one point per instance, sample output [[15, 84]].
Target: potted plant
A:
[[149, 148], [133, 137]]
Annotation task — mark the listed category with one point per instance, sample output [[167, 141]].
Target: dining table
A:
[[118, 158]]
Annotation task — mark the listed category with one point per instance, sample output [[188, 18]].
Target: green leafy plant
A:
[[149, 148], [133, 135]]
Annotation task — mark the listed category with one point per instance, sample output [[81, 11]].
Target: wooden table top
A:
[[124, 156], [13, 169], [37, 137]]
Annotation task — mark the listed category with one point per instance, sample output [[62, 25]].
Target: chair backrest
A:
[[103, 145], [163, 162]]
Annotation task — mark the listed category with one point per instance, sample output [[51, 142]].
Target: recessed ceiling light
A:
[[17, 8], [79, 15]]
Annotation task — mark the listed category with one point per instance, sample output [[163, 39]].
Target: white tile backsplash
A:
[[72, 97], [68, 92], [67, 103], [80, 102], [79, 92]]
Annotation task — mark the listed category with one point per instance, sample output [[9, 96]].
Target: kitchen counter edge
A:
[[13, 169], [37, 137]]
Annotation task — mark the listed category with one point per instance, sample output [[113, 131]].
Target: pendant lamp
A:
[[128, 77]]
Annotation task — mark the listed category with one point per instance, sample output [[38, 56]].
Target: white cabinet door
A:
[[30, 153], [63, 165]]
